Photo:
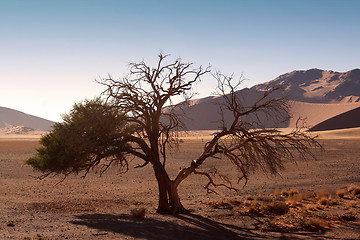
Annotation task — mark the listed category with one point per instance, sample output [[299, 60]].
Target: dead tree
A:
[[143, 99]]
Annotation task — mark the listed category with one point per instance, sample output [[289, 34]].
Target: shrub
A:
[[10, 224], [328, 201], [348, 216], [294, 199], [247, 203], [277, 193], [340, 193], [324, 201], [311, 207], [353, 204], [354, 190], [260, 195], [284, 193], [254, 208], [234, 202], [322, 194], [316, 224], [138, 212], [249, 197], [276, 207], [293, 192]]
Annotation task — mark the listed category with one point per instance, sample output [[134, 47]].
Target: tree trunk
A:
[[163, 186], [169, 200], [174, 199]]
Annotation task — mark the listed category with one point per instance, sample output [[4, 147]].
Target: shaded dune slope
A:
[[316, 96], [349, 119], [206, 114], [315, 113]]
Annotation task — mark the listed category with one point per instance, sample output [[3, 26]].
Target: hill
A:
[[316, 95], [318, 86], [12, 119]]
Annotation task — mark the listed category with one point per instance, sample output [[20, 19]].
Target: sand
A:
[[316, 113], [99, 208]]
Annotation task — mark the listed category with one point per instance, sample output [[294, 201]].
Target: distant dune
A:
[[10, 118], [316, 95], [316, 113], [349, 119]]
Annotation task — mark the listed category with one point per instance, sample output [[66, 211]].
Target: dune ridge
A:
[[12, 118]]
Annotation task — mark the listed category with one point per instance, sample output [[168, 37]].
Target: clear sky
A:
[[51, 51]]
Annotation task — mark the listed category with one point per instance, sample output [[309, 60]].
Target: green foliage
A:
[[92, 134]]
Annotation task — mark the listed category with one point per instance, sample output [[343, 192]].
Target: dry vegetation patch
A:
[[294, 210], [138, 212], [354, 190]]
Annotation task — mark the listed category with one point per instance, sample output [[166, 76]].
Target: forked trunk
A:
[[169, 200], [163, 185], [163, 205], [174, 199]]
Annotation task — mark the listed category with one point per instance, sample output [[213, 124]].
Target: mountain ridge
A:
[[318, 86], [314, 94]]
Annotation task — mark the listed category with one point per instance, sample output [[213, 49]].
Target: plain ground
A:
[[99, 207]]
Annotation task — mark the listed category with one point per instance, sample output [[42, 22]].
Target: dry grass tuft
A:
[[341, 193], [284, 193], [294, 199], [10, 224], [277, 193], [348, 216], [311, 207], [293, 192], [247, 203], [316, 224], [321, 194], [353, 204], [275, 207], [249, 197], [235, 202], [324, 201], [260, 195], [354, 190], [328, 201], [138, 212], [254, 208]]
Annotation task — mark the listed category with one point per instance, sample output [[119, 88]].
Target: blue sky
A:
[[51, 51]]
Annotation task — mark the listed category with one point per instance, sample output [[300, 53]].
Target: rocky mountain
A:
[[316, 95], [10, 118], [318, 86]]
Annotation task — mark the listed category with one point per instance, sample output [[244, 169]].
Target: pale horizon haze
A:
[[51, 52]]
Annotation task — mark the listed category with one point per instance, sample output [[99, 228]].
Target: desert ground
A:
[[100, 207]]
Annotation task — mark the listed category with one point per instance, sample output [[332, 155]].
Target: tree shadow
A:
[[184, 226]]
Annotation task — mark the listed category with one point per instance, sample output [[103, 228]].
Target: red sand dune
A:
[[316, 113], [349, 119]]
